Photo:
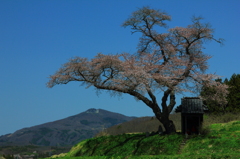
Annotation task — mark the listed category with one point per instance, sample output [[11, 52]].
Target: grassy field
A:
[[222, 140]]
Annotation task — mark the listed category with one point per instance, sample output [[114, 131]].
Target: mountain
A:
[[65, 132]]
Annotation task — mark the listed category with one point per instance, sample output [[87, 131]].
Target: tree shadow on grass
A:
[[92, 147], [140, 137]]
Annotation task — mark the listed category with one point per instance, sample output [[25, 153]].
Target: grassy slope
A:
[[222, 142]]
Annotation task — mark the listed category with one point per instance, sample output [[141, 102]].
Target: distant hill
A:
[[65, 132]]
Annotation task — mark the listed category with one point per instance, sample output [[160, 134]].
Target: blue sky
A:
[[37, 37]]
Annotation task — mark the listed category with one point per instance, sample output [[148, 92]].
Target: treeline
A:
[[233, 98]]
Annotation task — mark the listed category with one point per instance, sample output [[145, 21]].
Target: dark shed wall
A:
[[191, 114], [191, 123]]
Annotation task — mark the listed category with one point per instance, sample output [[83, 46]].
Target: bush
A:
[[205, 130]]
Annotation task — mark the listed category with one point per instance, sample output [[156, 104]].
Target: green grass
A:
[[222, 142], [223, 139], [127, 144]]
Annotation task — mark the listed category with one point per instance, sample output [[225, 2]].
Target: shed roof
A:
[[192, 105]]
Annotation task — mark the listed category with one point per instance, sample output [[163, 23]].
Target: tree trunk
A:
[[169, 126], [163, 117]]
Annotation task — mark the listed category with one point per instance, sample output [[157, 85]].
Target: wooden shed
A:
[[192, 110]]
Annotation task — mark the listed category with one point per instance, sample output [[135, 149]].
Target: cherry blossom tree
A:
[[165, 64]]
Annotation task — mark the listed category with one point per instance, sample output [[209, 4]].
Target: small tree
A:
[[233, 97], [170, 63], [213, 105]]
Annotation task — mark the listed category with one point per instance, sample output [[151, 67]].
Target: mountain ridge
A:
[[67, 131]]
